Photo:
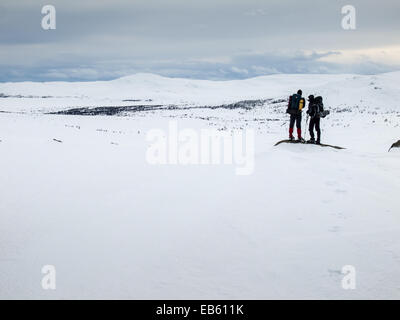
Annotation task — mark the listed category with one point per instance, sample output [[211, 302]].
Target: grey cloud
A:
[[110, 38], [239, 67]]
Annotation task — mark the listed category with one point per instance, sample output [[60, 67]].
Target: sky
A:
[[207, 39]]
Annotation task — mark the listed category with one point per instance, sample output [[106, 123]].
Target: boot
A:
[[291, 137], [318, 139], [299, 138], [312, 140]]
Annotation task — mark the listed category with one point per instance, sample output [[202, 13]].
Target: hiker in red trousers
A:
[[295, 107]]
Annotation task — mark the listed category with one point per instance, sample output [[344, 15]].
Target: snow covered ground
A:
[[78, 193]]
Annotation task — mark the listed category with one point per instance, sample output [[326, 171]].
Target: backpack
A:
[[324, 113], [319, 108], [296, 104], [319, 105]]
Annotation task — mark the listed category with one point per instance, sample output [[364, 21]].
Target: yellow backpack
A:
[[301, 104]]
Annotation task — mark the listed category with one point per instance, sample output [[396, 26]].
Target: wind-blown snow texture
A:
[[116, 227]]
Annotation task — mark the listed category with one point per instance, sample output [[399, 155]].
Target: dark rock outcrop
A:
[[395, 145]]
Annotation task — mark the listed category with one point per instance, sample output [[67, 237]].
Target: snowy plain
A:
[[115, 226]]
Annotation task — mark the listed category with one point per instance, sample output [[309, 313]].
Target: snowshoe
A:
[[301, 140], [311, 141]]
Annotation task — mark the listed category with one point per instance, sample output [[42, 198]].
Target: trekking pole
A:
[[305, 133]]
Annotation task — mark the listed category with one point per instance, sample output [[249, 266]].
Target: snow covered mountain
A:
[[373, 91], [78, 193]]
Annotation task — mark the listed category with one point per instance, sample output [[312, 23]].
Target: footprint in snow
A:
[[335, 229], [331, 183], [335, 273]]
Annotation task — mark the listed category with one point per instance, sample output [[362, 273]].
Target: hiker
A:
[[315, 111], [295, 107]]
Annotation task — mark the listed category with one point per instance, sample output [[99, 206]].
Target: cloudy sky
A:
[[207, 39]]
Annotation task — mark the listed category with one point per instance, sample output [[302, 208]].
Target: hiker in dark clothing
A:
[[315, 109], [295, 107]]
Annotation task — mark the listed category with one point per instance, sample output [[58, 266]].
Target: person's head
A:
[[311, 98], [300, 92]]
